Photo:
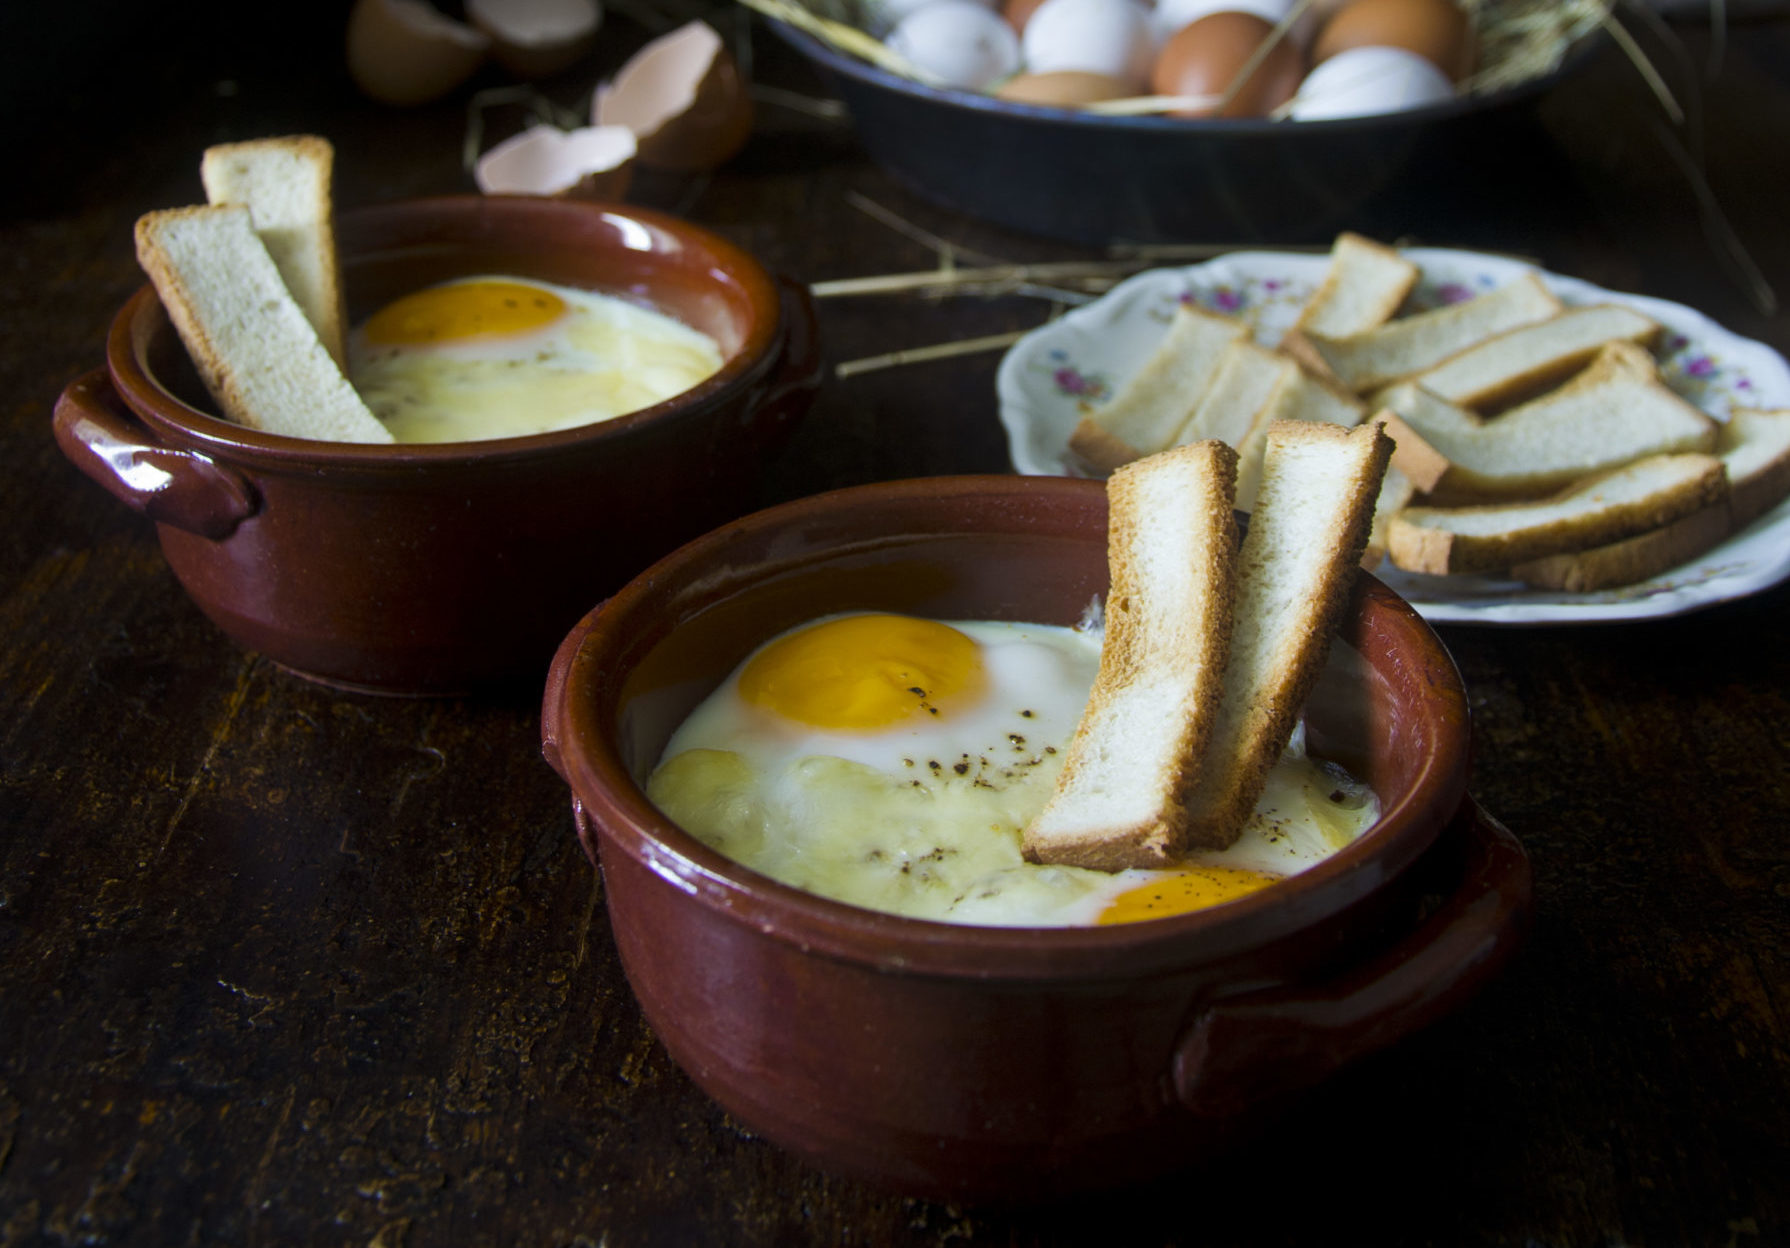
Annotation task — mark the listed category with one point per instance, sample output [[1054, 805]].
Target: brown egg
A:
[[1203, 58], [1018, 13], [404, 52], [1437, 30], [1063, 88]]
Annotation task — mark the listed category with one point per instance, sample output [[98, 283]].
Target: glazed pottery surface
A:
[[444, 568], [994, 1063]]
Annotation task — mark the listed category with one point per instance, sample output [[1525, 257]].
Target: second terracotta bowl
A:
[[987, 1063], [445, 568]]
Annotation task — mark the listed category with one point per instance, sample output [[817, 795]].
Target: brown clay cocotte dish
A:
[[448, 568], [976, 1063]]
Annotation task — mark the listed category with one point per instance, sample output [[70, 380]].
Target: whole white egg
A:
[[958, 42], [1110, 37], [1364, 82]]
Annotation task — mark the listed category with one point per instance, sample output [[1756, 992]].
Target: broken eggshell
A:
[[405, 52], [596, 162], [536, 38], [684, 99]]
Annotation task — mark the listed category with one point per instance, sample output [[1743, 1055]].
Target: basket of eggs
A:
[[1103, 121]]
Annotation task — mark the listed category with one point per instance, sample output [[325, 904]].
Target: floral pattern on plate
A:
[[1056, 373]]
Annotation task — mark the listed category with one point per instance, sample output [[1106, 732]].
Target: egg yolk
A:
[[462, 310], [1179, 892], [864, 672]]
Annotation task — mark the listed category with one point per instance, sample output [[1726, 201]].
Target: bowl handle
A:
[[553, 703], [105, 440], [1260, 1045]]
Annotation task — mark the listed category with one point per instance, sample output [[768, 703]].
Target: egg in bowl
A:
[[496, 357], [891, 762]]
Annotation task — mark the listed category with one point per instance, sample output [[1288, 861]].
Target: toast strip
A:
[[1755, 454], [1304, 397], [253, 347], [1247, 380], [1525, 360], [1601, 509], [1364, 286], [1614, 412], [1297, 566], [1632, 559], [1150, 409], [1172, 541], [1755, 449], [285, 185], [1396, 350]]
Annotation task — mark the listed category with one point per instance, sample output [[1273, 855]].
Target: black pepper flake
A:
[[961, 767], [1337, 795], [1026, 714]]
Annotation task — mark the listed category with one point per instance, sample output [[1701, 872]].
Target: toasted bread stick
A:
[[1298, 563], [1172, 544]]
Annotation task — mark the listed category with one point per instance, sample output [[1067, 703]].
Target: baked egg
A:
[[499, 357], [892, 762]]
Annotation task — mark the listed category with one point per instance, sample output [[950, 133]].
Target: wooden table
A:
[[279, 965]]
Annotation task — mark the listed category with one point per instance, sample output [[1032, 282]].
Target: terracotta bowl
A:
[[444, 568], [984, 1063]]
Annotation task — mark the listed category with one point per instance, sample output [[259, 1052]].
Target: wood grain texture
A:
[[279, 965]]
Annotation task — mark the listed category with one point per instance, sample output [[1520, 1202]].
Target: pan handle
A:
[[1259, 1046], [104, 439]]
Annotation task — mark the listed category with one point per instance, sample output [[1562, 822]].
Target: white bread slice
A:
[[1304, 397], [1364, 286], [1298, 563], [1150, 409], [1172, 546], [1598, 510], [1755, 447], [1247, 380], [253, 347], [1614, 412], [1525, 360], [1365, 362], [1396, 493], [1632, 559], [1755, 453], [1412, 454], [285, 185]]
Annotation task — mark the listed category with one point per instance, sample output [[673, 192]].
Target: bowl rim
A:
[[143, 316], [821, 51], [624, 817]]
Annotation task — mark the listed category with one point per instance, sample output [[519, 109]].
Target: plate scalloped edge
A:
[[1048, 378]]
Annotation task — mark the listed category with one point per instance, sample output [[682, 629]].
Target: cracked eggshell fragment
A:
[[684, 99], [404, 52], [536, 38], [596, 162]]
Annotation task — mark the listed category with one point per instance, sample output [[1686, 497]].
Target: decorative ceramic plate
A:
[[1054, 374]]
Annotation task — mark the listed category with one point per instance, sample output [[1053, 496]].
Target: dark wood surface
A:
[[279, 965]]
